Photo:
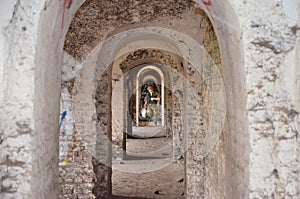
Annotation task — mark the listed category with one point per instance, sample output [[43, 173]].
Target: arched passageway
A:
[[96, 138], [202, 46], [195, 97], [150, 75]]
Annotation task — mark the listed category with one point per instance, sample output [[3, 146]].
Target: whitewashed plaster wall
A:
[[53, 24], [70, 70], [6, 12], [273, 129], [268, 31], [32, 48], [17, 99]]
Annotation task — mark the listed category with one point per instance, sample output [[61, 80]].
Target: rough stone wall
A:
[[76, 174], [29, 75], [17, 123], [215, 172], [297, 97], [91, 126], [103, 158], [6, 10], [197, 117], [70, 70], [67, 122], [297, 73], [117, 110], [83, 35], [170, 65], [215, 160], [83, 99], [91, 114], [273, 128], [201, 111], [178, 121]]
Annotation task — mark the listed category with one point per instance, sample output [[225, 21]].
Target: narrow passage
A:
[[148, 170]]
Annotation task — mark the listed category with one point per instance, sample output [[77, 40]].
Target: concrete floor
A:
[[147, 170]]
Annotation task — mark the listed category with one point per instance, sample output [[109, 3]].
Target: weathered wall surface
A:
[[6, 10], [31, 60], [108, 16], [236, 144], [259, 46], [273, 128], [76, 174], [214, 170], [70, 70], [16, 109], [47, 76]]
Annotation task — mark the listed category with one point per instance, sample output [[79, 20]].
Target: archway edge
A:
[[33, 40], [53, 24], [225, 21], [162, 79]]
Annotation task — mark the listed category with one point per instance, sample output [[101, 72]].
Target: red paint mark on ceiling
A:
[[67, 5], [206, 2]]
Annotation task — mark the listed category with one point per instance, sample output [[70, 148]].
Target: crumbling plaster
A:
[[28, 126], [271, 113], [6, 10]]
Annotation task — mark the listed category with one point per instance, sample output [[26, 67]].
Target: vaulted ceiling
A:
[[96, 19]]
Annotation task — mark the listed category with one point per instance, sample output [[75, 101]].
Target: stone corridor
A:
[[219, 82], [147, 170]]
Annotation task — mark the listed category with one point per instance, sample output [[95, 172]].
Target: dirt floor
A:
[[147, 170]]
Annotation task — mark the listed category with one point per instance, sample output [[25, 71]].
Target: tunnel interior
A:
[[124, 154], [73, 76]]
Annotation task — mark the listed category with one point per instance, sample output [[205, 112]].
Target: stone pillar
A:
[[274, 154], [29, 121], [103, 157]]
